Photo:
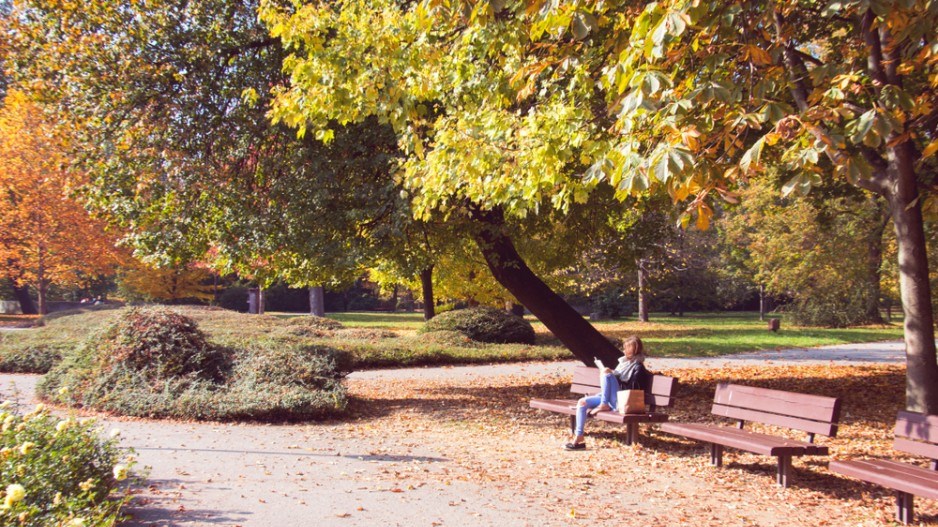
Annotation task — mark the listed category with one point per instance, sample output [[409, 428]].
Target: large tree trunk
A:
[[914, 288], [21, 293], [507, 266], [426, 282], [317, 301]]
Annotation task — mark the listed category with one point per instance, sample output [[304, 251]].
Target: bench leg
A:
[[716, 455], [572, 424], [631, 433], [784, 470], [904, 508]]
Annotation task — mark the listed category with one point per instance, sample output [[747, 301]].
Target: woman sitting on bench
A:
[[630, 374]]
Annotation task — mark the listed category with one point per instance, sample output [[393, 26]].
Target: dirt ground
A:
[[469, 451], [486, 428]]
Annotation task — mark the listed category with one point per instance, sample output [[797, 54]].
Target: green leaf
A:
[[752, 155], [579, 27]]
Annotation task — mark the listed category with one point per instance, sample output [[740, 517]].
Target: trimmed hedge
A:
[[484, 324], [157, 363]]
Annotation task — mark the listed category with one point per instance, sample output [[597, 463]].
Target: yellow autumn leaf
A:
[[930, 149]]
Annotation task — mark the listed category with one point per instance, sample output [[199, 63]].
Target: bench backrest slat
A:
[[917, 434], [661, 392], [815, 414]]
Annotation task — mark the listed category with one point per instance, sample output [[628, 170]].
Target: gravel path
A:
[[334, 474]]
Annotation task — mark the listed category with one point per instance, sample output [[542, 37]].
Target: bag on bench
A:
[[630, 401]]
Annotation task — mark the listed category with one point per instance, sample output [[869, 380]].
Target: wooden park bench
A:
[[915, 434], [813, 414], [660, 394]]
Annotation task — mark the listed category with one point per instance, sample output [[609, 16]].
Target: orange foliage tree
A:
[[46, 237], [140, 281]]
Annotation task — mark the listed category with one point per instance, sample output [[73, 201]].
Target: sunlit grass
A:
[[391, 339]]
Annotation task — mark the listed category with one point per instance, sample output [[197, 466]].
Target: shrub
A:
[[38, 358], [160, 344], [484, 324], [448, 338], [612, 303], [54, 471], [834, 309], [157, 363]]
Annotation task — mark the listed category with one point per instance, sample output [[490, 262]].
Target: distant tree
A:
[[46, 237], [139, 281], [825, 253]]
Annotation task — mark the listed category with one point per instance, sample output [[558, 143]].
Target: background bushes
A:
[[484, 324]]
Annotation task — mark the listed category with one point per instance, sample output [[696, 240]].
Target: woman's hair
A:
[[632, 346]]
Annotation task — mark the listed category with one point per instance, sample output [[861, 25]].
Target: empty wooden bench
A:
[[915, 434], [813, 414], [660, 394]]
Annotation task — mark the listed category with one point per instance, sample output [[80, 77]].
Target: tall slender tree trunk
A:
[[261, 301], [317, 301], [874, 265], [762, 306], [394, 294], [642, 301], [426, 283], [511, 271], [914, 287], [42, 286]]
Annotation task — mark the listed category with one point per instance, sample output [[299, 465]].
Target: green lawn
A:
[[396, 321], [712, 334], [390, 339]]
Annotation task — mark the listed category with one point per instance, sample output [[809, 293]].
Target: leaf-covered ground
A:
[[487, 429]]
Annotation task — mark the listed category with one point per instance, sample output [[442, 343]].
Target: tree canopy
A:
[[516, 106], [46, 236]]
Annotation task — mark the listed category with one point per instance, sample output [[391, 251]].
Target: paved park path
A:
[[205, 474]]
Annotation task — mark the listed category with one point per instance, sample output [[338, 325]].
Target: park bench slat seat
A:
[[813, 414], [915, 434], [659, 395]]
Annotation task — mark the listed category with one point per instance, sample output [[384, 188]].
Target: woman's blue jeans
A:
[[608, 389]]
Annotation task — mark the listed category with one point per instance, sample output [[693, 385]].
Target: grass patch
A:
[[18, 321], [376, 340], [714, 334]]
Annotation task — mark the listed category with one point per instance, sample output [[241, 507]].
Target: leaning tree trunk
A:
[[317, 301], [510, 270], [426, 282]]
